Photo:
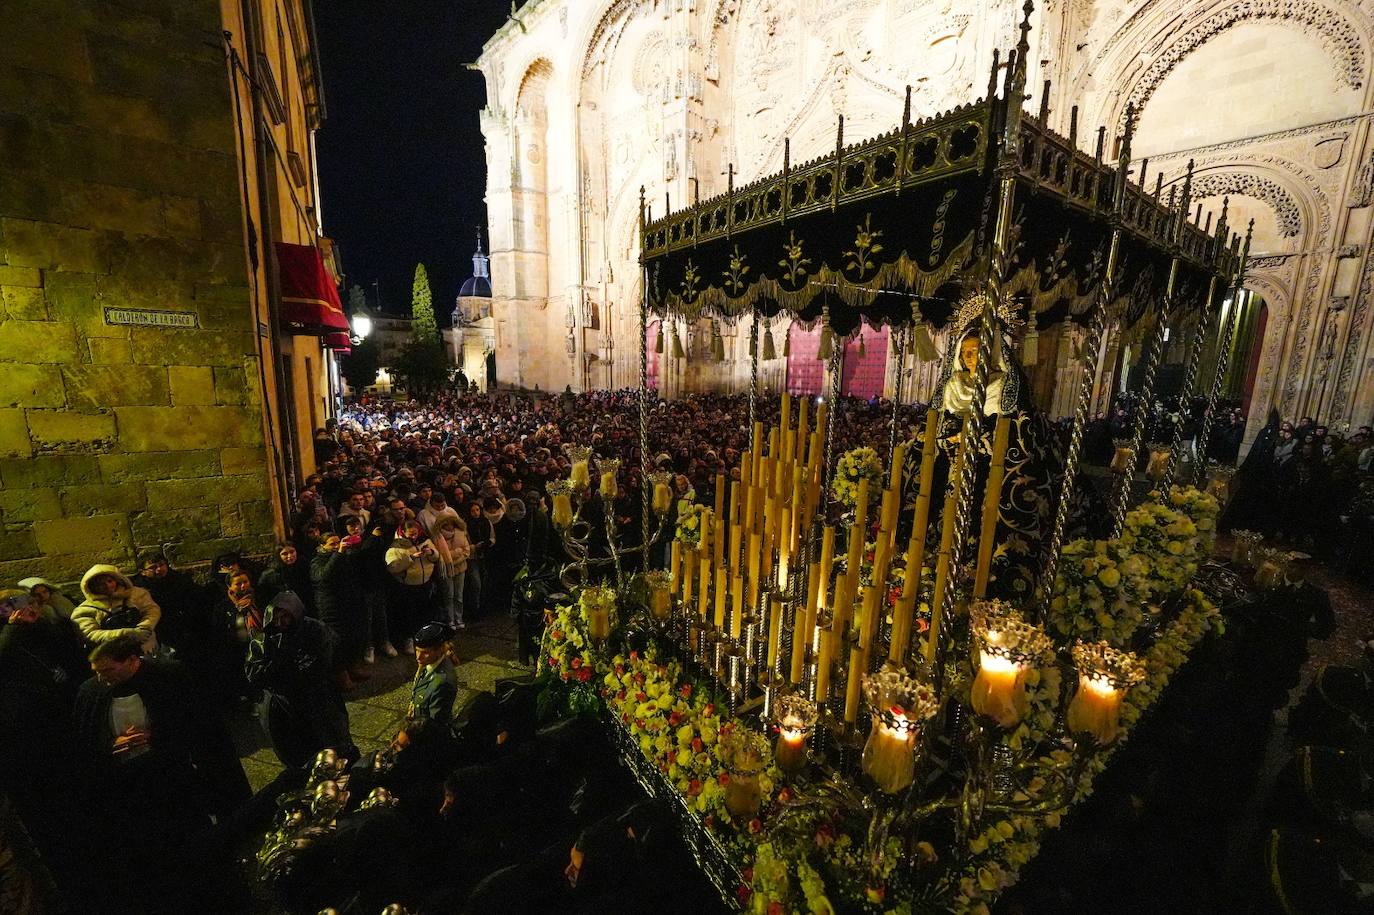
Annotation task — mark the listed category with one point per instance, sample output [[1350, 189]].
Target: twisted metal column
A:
[[898, 338], [1189, 380], [834, 371], [1142, 418], [645, 490], [1082, 405], [1223, 358]]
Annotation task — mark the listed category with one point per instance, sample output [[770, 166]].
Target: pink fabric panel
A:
[[805, 373], [653, 358], [863, 377]]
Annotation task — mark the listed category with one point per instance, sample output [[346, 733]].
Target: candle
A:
[[821, 412], [720, 495], [992, 502], [734, 502], [813, 587], [734, 548], [706, 571], [800, 636], [889, 755], [660, 597], [775, 612], [785, 412], [887, 517], [562, 509], [737, 604], [608, 490], [689, 568], [901, 625], [898, 466], [998, 690], [722, 595], [861, 509], [755, 556], [790, 752], [1096, 708], [871, 610], [663, 498], [581, 474], [827, 562], [598, 623], [942, 561], [719, 542], [858, 661], [803, 405], [675, 568], [824, 660]]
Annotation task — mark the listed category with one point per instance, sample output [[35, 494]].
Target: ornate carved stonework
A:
[[1286, 212]]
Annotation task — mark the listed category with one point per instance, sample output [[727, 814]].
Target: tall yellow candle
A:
[[736, 604], [689, 572], [916, 553], [746, 468], [734, 548], [754, 556], [898, 465], [861, 509], [822, 411], [735, 486], [825, 657], [785, 411], [858, 662], [675, 568], [720, 495], [756, 445], [868, 626], [902, 616], [992, 498], [827, 562], [718, 541], [775, 611], [707, 573], [722, 595], [801, 637], [942, 562], [803, 429], [887, 516], [813, 587]]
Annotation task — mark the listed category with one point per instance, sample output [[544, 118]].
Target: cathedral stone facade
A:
[[588, 100]]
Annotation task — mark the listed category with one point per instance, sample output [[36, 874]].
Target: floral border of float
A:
[[678, 728]]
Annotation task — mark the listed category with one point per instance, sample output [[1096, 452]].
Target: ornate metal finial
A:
[[1144, 170], [970, 311], [641, 205], [906, 110], [992, 76], [1009, 82], [1207, 229], [667, 203], [1023, 44], [839, 136], [1185, 200], [1159, 185], [1101, 143], [730, 178], [1045, 103], [1073, 127]]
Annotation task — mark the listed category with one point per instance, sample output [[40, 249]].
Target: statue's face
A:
[[968, 353]]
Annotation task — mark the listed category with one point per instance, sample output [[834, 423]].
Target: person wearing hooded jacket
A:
[[46, 594], [114, 607], [291, 660], [412, 559]]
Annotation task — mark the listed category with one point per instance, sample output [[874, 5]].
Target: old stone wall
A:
[[119, 188]]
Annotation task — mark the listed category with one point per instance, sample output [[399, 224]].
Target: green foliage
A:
[[360, 367], [422, 367], [423, 328], [357, 300]]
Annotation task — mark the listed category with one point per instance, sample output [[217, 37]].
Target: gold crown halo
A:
[[970, 310]]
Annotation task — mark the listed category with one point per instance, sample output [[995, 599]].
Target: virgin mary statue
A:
[[1032, 464]]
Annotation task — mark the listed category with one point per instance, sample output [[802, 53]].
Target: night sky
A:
[[402, 170]]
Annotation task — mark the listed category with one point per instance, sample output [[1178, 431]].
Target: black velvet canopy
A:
[[896, 228]]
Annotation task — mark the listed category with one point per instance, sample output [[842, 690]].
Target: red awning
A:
[[339, 342], [309, 300]]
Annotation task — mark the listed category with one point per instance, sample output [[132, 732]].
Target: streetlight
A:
[[362, 326]]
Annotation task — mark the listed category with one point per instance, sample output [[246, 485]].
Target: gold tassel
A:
[[678, 352], [658, 341], [769, 350], [827, 346], [717, 343], [862, 349], [1030, 348], [922, 346], [787, 343]]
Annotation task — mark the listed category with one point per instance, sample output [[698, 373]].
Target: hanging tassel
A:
[[1030, 348], [787, 343], [658, 340], [827, 343], [769, 350], [922, 346], [717, 343], [678, 352], [862, 349]]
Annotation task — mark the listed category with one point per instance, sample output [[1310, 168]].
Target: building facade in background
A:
[[152, 392], [471, 337], [589, 101]]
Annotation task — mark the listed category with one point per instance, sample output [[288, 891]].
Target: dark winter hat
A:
[[431, 635]]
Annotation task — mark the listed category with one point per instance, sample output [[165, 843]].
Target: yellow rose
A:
[[1109, 577], [1175, 548]]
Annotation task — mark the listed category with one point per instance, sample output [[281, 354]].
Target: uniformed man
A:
[[436, 682]]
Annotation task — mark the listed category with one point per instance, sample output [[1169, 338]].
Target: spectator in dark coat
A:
[[182, 600], [291, 660], [286, 572], [338, 602]]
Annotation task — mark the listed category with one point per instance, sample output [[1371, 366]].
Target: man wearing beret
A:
[[436, 682]]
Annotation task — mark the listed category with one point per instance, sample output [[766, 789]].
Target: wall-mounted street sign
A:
[[142, 317]]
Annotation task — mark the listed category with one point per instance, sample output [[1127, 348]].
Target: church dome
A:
[[475, 286]]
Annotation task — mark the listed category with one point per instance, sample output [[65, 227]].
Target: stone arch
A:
[[1278, 297], [1342, 39], [1287, 214]]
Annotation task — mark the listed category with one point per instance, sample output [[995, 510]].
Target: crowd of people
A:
[[420, 519]]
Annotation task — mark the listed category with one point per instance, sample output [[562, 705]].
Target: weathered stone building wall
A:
[[587, 101], [119, 188]]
